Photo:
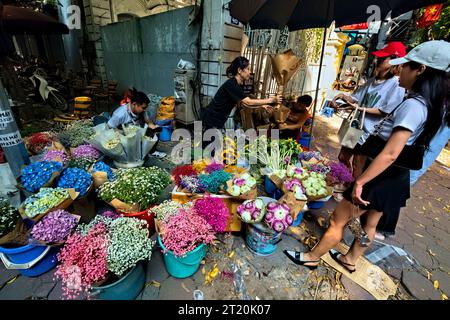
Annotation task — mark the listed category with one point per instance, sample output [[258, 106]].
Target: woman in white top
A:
[[378, 96], [384, 185]]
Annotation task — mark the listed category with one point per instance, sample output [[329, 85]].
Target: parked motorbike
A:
[[46, 93]]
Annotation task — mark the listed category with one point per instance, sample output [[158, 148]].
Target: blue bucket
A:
[[31, 260], [126, 288], [183, 267], [262, 240], [304, 139], [166, 133], [271, 189], [299, 219], [315, 204]]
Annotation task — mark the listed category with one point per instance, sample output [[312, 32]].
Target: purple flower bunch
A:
[[308, 155], [56, 156], [192, 184], [319, 168], [214, 166], [290, 183], [85, 151], [54, 227], [110, 214], [339, 173]]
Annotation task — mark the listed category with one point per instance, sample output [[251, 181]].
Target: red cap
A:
[[395, 48]]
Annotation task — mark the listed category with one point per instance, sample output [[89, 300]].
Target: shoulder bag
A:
[[411, 157], [351, 130]]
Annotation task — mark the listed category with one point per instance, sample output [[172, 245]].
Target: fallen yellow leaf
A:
[[444, 297], [231, 254], [203, 271], [214, 272], [419, 235], [431, 252], [436, 284]]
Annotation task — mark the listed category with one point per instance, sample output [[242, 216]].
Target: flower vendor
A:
[[132, 113]]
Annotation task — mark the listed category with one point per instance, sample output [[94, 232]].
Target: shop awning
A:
[[18, 20], [304, 14]]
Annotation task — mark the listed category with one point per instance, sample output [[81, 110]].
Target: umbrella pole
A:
[[318, 85]]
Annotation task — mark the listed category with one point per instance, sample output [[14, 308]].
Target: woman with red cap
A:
[[378, 96]]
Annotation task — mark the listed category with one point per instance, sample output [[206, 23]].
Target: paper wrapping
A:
[[295, 206], [124, 207], [19, 236]]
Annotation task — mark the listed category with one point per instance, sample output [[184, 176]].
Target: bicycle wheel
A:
[[57, 101]]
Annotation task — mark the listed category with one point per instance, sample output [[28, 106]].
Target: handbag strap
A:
[[379, 126]]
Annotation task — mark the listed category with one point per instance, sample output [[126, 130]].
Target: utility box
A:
[[187, 105]]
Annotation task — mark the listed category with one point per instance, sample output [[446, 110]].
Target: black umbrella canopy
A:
[[18, 20], [304, 14]]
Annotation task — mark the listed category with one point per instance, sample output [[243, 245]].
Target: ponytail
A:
[[237, 63]]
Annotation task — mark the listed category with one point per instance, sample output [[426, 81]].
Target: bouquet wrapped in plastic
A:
[[131, 146]]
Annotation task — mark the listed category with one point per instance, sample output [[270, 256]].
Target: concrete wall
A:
[[144, 52], [221, 43], [137, 8]]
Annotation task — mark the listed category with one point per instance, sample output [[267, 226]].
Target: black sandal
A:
[[335, 254], [297, 258]]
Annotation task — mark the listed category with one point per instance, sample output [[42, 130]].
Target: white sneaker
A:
[[379, 236]]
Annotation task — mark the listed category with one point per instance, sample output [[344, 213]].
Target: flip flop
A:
[[297, 258], [335, 255]]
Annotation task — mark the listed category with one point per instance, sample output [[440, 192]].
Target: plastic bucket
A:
[[183, 267], [299, 219], [165, 122], [31, 260], [262, 240], [271, 189], [305, 139], [315, 204], [166, 133], [126, 288], [144, 215]]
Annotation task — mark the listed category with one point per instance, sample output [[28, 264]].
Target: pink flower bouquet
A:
[[184, 232], [278, 216], [214, 211], [252, 211], [242, 186]]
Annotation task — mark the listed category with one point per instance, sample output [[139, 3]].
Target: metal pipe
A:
[[318, 85]]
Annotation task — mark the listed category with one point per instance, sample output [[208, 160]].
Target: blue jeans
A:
[[439, 141]]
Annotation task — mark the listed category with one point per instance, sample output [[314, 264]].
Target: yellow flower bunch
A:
[[200, 165], [229, 155], [234, 170]]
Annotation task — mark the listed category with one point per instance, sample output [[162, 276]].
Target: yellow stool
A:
[[81, 107]]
